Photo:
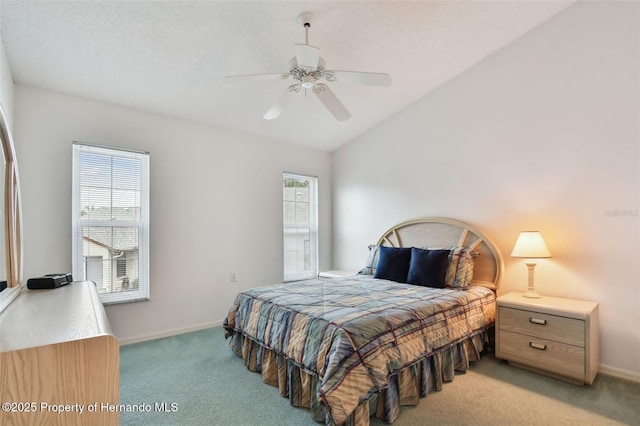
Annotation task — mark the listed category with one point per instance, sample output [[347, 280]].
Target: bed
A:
[[361, 346]]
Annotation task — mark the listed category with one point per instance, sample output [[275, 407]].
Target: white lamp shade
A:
[[530, 245]]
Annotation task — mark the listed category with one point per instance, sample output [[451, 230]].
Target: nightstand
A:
[[553, 336], [336, 274]]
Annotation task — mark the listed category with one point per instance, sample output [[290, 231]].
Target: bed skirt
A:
[[405, 387]]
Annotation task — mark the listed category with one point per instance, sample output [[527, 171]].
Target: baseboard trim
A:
[[168, 333], [619, 373]]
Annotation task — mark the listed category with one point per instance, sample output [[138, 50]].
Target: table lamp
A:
[[530, 245]]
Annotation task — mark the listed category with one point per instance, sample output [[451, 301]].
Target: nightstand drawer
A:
[[550, 327], [563, 359]]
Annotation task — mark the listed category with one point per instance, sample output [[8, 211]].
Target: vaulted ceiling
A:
[[171, 57]]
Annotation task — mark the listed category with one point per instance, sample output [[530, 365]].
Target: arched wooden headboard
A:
[[440, 232]]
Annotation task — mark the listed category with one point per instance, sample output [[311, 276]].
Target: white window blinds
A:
[[300, 226], [111, 221]]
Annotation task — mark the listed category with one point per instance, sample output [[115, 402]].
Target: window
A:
[[111, 221], [300, 226]]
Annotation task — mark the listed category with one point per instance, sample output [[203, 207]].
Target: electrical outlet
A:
[[233, 277]]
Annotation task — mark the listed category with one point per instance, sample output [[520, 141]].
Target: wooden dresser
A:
[[554, 336], [59, 361]]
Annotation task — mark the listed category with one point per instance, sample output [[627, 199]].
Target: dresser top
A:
[[571, 308], [43, 317]]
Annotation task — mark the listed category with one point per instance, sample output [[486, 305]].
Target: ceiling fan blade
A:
[[307, 56], [331, 102], [357, 77], [281, 103], [257, 77]]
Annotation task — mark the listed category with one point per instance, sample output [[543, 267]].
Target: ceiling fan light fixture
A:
[[308, 82]]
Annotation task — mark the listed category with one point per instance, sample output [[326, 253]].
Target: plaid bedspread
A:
[[353, 333]]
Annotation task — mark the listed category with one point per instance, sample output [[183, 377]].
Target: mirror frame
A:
[[12, 217]]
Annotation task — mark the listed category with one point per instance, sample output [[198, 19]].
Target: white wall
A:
[[215, 205], [6, 84], [543, 135]]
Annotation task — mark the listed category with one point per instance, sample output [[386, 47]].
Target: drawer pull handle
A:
[[537, 321], [538, 346]]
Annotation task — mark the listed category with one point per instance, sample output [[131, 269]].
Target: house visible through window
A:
[[300, 226], [111, 221], [121, 265]]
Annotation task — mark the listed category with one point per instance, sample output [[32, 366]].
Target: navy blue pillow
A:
[[428, 267], [393, 264]]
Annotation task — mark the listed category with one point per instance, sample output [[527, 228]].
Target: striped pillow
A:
[[460, 271], [372, 261]]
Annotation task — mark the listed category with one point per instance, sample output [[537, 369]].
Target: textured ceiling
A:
[[170, 57]]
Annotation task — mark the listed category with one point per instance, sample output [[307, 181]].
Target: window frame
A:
[[79, 224], [312, 272]]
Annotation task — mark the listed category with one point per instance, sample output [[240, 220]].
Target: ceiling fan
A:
[[308, 70]]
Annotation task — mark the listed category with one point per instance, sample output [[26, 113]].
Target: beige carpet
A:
[[211, 386]]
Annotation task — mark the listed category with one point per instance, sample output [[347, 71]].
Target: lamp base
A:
[[531, 290], [531, 294]]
